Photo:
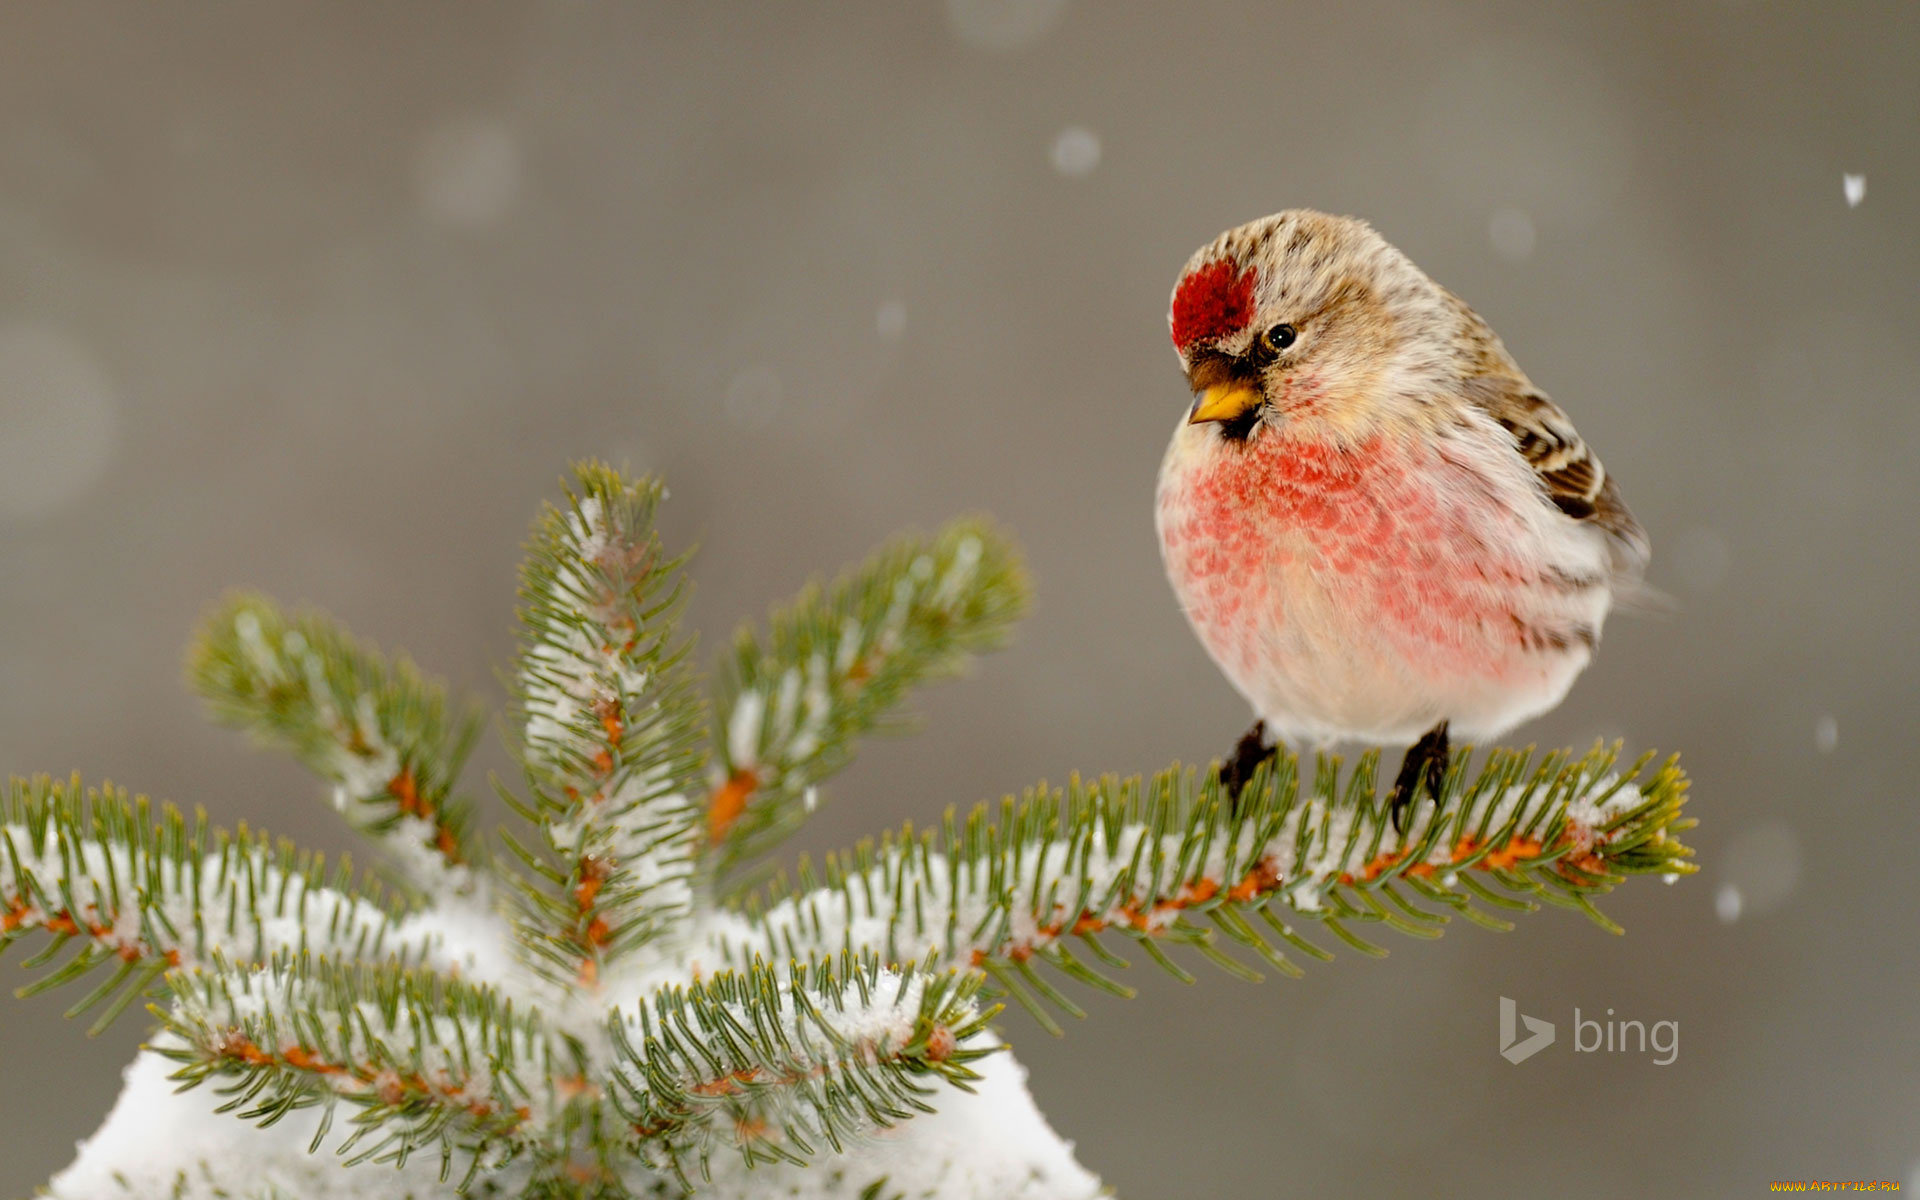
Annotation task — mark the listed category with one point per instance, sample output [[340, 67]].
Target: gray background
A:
[[324, 299]]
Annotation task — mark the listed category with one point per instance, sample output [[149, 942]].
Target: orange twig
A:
[[1264, 879], [729, 800]]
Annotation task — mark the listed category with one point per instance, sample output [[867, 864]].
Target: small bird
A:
[[1379, 528]]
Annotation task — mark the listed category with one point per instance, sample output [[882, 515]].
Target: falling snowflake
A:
[[468, 173], [1855, 187], [1727, 903], [1076, 152], [1826, 734]]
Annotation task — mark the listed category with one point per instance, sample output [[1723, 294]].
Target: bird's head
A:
[[1302, 316]]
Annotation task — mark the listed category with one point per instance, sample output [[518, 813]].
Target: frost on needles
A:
[[610, 999]]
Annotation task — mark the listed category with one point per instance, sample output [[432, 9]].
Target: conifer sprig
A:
[[611, 725], [836, 663], [148, 892], [733, 1043], [782, 1065], [430, 1064], [1058, 868], [387, 738]]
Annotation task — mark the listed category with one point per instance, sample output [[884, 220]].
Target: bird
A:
[[1378, 527]]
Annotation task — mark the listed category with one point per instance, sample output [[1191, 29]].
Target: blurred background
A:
[[323, 299]]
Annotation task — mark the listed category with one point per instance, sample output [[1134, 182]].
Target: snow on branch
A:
[[611, 728], [429, 1064], [147, 893], [783, 1066], [652, 1037], [387, 738], [836, 663], [990, 1142], [1149, 862]]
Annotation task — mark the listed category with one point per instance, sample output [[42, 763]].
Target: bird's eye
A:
[[1281, 336]]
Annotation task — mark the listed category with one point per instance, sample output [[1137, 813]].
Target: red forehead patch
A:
[[1213, 301]]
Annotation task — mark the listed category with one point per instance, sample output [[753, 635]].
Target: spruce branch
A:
[[388, 739], [148, 893], [611, 724], [430, 1064], [837, 662], [1151, 862], [655, 1038], [784, 1065]]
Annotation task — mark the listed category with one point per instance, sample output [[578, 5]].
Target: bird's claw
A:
[[1425, 762], [1248, 753]]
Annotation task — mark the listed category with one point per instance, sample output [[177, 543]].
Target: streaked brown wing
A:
[[1573, 477]]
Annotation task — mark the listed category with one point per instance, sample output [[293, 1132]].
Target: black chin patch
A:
[[1238, 429]]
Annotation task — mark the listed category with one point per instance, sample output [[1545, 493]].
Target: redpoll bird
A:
[[1375, 523]]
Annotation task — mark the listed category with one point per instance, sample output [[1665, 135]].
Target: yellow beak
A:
[[1223, 402]]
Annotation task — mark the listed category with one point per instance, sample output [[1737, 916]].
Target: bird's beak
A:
[[1223, 402]]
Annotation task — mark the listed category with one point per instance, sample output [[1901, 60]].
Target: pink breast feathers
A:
[[1213, 301], [1372, 526]]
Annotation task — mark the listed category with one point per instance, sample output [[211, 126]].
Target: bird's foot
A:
[[1425, 762], [1248, 754]]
